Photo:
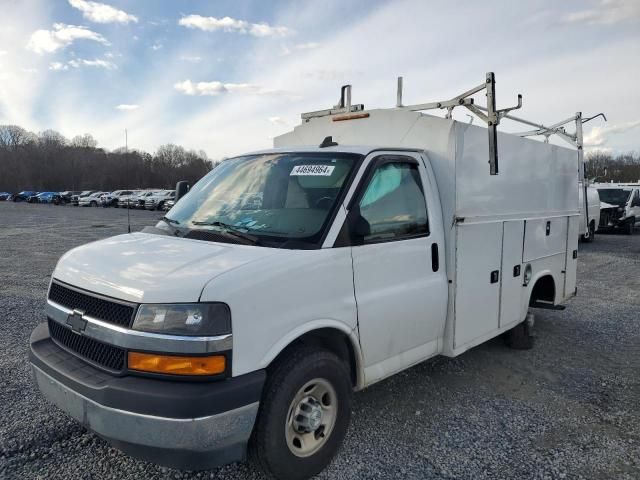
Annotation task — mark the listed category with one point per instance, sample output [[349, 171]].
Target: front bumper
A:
[[188, 425]]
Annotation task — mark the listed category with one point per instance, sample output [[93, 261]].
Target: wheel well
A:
[[544, 290], [331, 339]]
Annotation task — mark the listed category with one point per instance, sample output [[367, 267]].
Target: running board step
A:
[[547, 306]]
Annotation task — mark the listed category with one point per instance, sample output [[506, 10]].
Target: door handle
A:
[[435, 259]]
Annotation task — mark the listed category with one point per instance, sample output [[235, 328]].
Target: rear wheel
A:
[[304, 414], [93, 203]]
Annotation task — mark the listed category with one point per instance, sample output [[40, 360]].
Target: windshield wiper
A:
[[230, 230], [170, 221]]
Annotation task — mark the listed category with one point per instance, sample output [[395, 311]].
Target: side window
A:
[[393, 204]]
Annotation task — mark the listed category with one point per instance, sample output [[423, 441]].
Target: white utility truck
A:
[[365, 242]]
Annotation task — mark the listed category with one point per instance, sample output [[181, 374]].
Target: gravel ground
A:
[[569, 408]]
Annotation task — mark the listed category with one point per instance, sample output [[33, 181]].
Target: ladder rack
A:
[[489, 114]]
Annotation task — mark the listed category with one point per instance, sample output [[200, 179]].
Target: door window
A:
[[393, 205]]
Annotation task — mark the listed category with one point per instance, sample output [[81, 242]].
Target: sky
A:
[[226, 76]]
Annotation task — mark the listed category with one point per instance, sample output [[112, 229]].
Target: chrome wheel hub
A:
[[311, 417]]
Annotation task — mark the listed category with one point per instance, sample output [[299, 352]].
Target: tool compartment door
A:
[[571, 258], [511, 302], [477, 297]]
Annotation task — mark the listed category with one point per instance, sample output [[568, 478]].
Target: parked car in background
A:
[[129, 201], [4, 196], [589, 211], [156, 201], [92, 200], [23, 196], [168, 205], [66, 197], [620, 207], [44, 197], [142, 198], [111, 199], [75, 199]]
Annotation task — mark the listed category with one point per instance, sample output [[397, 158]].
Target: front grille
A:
[[95, 307], [98, 353], [605, 218]]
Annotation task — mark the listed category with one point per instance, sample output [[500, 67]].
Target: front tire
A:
[[628, 228], [304, 414], [592, 234]]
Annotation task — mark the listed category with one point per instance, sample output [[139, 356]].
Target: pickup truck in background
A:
[[363, 243], [91, 200], [157, 200], [110, 199]]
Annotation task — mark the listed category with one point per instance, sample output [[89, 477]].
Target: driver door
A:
[[398, 265]]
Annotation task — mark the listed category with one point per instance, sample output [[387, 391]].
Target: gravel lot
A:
[[569, 408]]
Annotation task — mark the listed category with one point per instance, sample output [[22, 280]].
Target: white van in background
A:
[[620, 207]]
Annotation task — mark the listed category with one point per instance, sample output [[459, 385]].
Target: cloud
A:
[[306, 46], [156, 46], [62, 35], [228, 24], [3, 53], [608, 12], [187, 87], [81, 62], [191, 58], [127, 107], [278, 121], [102, 13], [598, 136]]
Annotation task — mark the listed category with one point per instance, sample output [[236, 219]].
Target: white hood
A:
[[143, 267]]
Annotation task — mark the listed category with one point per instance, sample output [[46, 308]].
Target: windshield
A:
[[275, 197], [614, 196]]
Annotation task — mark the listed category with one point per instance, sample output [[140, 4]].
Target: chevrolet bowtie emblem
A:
[[76, 322]]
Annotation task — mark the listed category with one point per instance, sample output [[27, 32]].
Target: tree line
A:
[[47, 161], [605, 167]]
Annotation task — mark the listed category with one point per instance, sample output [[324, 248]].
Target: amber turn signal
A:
[[176, 365]]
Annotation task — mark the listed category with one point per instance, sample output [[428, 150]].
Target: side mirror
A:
[[181, 189]]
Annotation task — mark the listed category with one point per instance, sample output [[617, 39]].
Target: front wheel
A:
[[304, 414], [628, 228], [592, 234]]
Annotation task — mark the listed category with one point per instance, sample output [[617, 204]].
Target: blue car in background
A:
[[4, 196], [23, 196], [43, 197]]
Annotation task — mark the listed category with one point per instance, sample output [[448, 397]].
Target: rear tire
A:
[[284, 443], [93, 203]]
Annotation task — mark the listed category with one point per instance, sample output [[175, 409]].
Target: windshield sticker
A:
[[313, 170]]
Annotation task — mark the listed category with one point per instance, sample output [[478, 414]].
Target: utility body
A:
[[365, 242]]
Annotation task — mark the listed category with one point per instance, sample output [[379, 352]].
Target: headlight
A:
[[190, 319]]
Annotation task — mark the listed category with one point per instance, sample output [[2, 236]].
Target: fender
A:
[[303, 329]]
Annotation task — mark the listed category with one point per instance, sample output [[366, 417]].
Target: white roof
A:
[[360, 149]]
